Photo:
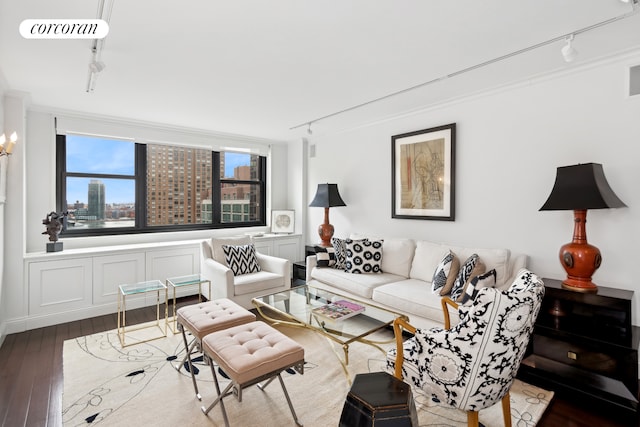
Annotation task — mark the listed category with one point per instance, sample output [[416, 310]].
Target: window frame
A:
[[140, 178]]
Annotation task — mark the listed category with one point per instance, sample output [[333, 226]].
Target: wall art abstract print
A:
[[423, 172]]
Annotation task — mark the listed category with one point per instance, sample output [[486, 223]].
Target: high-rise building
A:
[[96, 205], [177, 179]]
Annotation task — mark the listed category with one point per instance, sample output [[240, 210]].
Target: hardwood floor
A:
[[31, 377]]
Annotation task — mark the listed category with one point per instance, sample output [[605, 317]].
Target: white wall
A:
[[509, 144]]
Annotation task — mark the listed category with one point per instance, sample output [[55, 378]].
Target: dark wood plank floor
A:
[[31, 377]]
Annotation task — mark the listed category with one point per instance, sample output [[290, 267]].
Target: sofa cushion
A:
[[411, 297], [471, 268], [357, 284], [325, 257], [445, 273], [218, 242], [364, 256], [397, 256], [241, 259], [427, 257], [397, 253], [254, 283]]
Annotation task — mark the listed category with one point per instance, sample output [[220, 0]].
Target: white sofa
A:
[[404, 285]]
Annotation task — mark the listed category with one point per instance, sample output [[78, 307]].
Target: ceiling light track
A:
[[565, 37], [105, 7]]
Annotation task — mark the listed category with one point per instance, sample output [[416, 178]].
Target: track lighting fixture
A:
[[309, 131], [568, 52]]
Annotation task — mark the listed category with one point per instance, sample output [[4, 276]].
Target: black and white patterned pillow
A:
[[486, 280], [340, 247], [325, 257], [445, 273], [364, 256], [472, 267], [241, 259]]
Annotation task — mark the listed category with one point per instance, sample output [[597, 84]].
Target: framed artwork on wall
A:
[[423, 174], [283, 221]]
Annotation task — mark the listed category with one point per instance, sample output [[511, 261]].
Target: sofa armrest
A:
[[222, 285], [311, 263], [272, 264]]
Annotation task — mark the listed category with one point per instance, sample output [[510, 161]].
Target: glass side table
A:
[[136, 289], [178, 282]]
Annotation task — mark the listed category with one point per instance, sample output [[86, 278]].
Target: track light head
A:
[[96, 66], [568, 52], [309, 131]]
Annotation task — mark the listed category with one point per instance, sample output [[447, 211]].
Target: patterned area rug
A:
[[138, 385]]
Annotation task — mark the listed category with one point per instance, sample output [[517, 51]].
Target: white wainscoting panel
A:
[[59, 285], [112, 270]]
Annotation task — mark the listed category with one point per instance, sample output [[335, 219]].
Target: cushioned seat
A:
[[207, 317], [248, 354]]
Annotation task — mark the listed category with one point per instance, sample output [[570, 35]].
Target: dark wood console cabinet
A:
[[584, 343]]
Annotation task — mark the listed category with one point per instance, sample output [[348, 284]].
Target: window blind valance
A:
[[146, 133]]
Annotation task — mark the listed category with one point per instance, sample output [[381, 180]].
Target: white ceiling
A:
[[260, 67]]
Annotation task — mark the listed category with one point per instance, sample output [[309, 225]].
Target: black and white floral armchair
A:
[[472, 365]]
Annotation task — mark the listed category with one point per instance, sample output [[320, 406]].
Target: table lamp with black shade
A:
[[578, 188], [327, 196]]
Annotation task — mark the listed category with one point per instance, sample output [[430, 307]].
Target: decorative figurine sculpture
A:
[[55, 222]]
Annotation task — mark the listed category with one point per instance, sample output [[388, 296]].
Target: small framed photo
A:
[[283, 221], [423, 178]]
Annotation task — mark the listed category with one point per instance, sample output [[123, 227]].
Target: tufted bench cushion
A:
[[207, 317], [251, 351]]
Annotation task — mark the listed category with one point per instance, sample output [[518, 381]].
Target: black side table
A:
[[299, 273], [585, 345], [379, 399]]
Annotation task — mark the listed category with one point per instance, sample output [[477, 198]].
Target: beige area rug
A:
[[138, 385]]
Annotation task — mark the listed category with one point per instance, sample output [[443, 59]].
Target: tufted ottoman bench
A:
[[204, 318], [249, 354]]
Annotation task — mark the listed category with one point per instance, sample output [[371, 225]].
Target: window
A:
[[112, 186]]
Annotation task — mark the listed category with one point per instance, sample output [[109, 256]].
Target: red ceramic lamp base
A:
[[580, 259], [325, 230]]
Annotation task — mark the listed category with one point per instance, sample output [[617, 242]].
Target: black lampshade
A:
[[327, 196], [580, 187]]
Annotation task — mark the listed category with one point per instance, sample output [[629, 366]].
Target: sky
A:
[[97, 155]]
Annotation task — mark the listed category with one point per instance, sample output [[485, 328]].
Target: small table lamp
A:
[[578, 188], [327, 196]]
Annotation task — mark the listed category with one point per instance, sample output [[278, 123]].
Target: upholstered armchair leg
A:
[[472, 418], [506, 410]]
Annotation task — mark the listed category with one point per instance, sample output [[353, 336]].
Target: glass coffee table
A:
[[296, 306]]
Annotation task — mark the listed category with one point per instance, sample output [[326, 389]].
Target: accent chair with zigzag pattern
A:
[[240, 273]]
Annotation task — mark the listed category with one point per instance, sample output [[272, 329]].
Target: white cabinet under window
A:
[[77, 284], [286, 246]]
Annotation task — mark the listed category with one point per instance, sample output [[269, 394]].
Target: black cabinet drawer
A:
[[582, 356]]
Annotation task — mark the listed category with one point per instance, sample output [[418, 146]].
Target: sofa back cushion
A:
[[426, 259], [397, 256]]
